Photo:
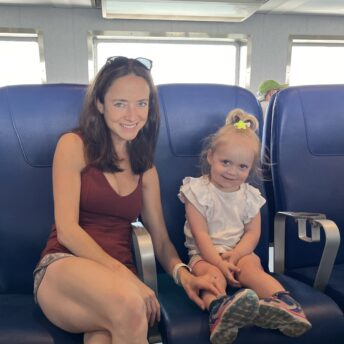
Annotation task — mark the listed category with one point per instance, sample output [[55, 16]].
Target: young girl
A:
[[222, 230]]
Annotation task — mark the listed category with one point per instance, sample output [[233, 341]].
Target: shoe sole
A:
[[240, 313], [278, 318]]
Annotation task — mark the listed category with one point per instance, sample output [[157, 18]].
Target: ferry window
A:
[[179, 59], [316, 61], [21, 59]]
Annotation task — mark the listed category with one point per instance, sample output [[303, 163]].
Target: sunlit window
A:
[[316, 61], [180, 60], [20, 59]]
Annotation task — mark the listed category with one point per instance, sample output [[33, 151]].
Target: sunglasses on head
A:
[[121, 60]]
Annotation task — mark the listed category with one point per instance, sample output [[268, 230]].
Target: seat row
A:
[[32, 117]]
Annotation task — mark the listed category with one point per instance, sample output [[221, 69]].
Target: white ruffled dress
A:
[[225, 212]]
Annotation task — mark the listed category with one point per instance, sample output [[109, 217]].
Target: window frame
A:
[[238, 40], [311, 41], [27, 35]]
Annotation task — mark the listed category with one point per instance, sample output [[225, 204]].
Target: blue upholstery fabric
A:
[[31, 120], [307, 150], [189, 113]]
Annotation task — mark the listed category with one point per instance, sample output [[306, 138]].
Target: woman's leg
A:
[[253, 276], [79, 295], [97, 337]]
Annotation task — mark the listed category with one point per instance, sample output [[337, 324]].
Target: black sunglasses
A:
[[119, 60]]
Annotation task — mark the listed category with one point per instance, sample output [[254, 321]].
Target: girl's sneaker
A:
[[231, 313], [282, 312]]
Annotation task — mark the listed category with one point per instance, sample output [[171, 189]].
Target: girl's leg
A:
[[80, 295], [227, 313], [202, 268], [253, 276], [277, 309]]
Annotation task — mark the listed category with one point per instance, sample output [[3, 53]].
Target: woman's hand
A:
[[193, 285], [147, 294], [151, 302]]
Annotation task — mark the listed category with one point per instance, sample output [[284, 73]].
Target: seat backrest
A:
[[307, 152], [189, 113], [32, 117]]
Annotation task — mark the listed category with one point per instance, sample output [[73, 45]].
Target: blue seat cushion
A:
[[184, 323], [335, 287]]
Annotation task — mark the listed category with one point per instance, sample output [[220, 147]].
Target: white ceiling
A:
[[321, 7]]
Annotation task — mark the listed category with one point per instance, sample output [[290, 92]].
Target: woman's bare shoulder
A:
[[71, 138], [70, 147]]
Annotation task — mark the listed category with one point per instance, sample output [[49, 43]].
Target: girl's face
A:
[[125, 107], [231, 163]]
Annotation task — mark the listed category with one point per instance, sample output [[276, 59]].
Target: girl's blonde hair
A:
[[238, 122]]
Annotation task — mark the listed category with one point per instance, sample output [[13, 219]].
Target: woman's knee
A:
[[130, 310], [122, 313], [97, 337]]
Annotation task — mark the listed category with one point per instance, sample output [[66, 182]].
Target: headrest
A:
[[40, 114], [191, 112], [319, 111]]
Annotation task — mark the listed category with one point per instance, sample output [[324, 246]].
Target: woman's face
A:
[[125, 107]]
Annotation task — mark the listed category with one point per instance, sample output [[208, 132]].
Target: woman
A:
[[103, 179]]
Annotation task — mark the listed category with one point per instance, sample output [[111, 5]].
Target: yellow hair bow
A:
[[241, 125]]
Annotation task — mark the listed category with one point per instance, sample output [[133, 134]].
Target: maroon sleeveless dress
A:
[[105, 216]]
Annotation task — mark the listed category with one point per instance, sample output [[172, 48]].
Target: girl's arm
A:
[[152, 217], [199, 229]]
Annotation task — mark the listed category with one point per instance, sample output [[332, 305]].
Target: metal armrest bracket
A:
[[317, 221]]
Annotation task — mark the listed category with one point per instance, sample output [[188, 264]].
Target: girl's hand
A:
[[231, 256], [229, 269], [194, 284]]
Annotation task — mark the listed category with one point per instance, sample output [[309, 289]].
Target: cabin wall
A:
[[65, 36]]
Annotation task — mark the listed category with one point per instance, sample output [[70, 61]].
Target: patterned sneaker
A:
[[233, 312], [282, 312]]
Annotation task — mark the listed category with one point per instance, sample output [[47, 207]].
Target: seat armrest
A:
[[317, 221], [144, 255], [146, 268]]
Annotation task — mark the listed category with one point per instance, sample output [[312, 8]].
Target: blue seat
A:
[[31, 120], [307, 153], [188, 114]]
